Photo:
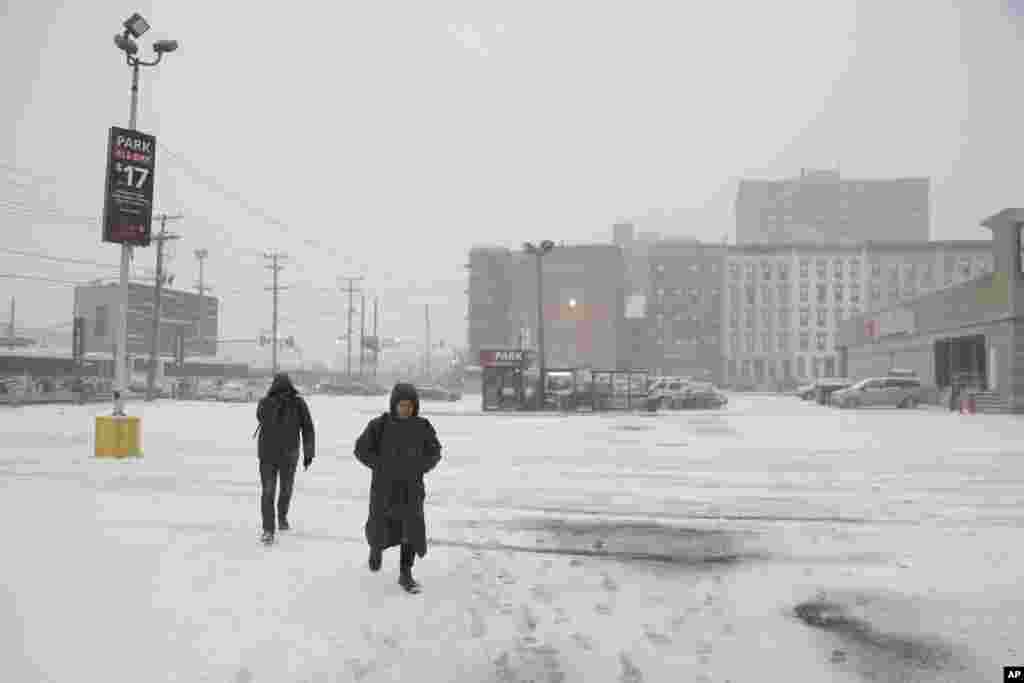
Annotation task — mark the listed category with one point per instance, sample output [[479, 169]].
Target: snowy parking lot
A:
[[771, 540]]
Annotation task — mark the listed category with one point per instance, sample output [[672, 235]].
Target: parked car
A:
[[236, 392], [805, 392], [434, 392], [903, 392], [826, 386]]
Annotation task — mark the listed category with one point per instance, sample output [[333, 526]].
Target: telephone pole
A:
[[158, 286], [362, 333], [376, 339], [201, 255], [426, 360], [351, 290], [275, 257]]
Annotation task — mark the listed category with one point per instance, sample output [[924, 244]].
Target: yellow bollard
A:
[[118, 436]]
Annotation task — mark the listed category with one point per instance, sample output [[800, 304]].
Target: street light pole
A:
[[539, 251], [134, 27]]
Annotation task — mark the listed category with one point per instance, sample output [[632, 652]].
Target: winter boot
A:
[[376, 557], [405, 580], [283, 525], [267, 538]]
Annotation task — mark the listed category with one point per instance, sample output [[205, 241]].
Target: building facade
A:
[[180, 312], [584, 303], [821, 207], [685, 311], [970, 333], [785, 304]]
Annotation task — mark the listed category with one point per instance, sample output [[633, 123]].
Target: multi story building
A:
[[685, 311], [820, 207], [784, 304], [584, 303]]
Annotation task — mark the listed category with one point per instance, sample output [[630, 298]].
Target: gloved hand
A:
[[307, 461]]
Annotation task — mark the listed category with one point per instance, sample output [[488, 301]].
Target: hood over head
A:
[[281, 385], [404, 391]]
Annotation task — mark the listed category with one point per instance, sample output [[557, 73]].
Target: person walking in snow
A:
[[399, 447], [283, 416]]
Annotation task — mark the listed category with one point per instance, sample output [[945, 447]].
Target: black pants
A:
[[269, 472], [407, 558]]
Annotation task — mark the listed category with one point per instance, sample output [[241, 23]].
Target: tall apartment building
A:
[[685, 308], [820, 207], [784, 303]]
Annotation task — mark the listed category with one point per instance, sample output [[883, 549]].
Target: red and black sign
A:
[[504, 358], [128, 201]]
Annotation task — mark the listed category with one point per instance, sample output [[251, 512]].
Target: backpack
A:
[[278, 410]]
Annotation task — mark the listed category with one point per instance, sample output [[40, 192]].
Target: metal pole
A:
[[540, 330], [362, 333], [121, 342], [376, 339], [157, 287], [348, 342], [426, 359], [273, 351]]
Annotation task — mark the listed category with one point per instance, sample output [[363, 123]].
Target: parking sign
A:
[[128, 201]]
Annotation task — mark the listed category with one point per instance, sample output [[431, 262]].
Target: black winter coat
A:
[[283, 416], [400, 452]]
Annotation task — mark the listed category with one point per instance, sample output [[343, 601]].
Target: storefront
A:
[[503, 378]]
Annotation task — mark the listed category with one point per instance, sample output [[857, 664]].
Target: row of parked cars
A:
[[899, 388]]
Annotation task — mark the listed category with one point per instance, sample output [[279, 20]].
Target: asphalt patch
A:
[[880, 655], [644, 541]]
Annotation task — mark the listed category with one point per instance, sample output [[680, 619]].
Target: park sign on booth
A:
[[128, 200], [504, 358]]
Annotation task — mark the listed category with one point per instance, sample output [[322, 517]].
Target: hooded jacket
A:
[[283, 416], [399, 452]]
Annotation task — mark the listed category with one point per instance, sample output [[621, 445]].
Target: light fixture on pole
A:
[[539, 250]]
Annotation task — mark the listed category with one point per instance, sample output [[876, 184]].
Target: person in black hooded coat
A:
[[283, 416], [400, 447]]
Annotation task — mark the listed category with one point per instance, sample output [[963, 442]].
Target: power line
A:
[[58, 259], [15, 276]]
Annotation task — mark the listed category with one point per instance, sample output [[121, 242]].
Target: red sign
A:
[[871, 328]]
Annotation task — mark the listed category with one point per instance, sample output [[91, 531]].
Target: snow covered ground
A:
[[774, 540]]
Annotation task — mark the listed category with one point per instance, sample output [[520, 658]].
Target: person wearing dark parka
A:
[[399, 447], [283, 417]]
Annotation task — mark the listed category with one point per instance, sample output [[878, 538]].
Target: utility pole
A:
[[351, 290], [275, 257], [362, 333], [376, 339], [426, 360], [158, 285], [200, 255]]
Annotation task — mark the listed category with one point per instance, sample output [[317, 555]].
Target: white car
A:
[[236, 391]]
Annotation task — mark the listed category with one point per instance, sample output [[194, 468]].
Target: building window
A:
[[783, 270], [750, 320], [801, 366], [893, 294], [837, 269], [749, 343], [854, 269], [783, 339], [694, 296], [766, 317], [821, 265], [734, 271], [876, 292], [751, 294], [766, 294], [805, 267], [821, 341], [746, 368], [822, 294], [822, 319], [766, 270], [766, 342], [894, 275], [734, 296], [838, 290], [805, 341], [909, 272], [876, 268], [734, 318], [854, 294], [750, 271], [783, 318], [734, 343], [102, 320], [805, 317], [805, 293]]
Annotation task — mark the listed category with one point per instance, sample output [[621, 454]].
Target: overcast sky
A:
[[388, 138]]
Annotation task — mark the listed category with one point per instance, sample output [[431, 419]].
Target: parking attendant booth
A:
[[503, 378]]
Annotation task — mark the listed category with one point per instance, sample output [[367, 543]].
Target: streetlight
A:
[[134, 28], [539, 250]]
